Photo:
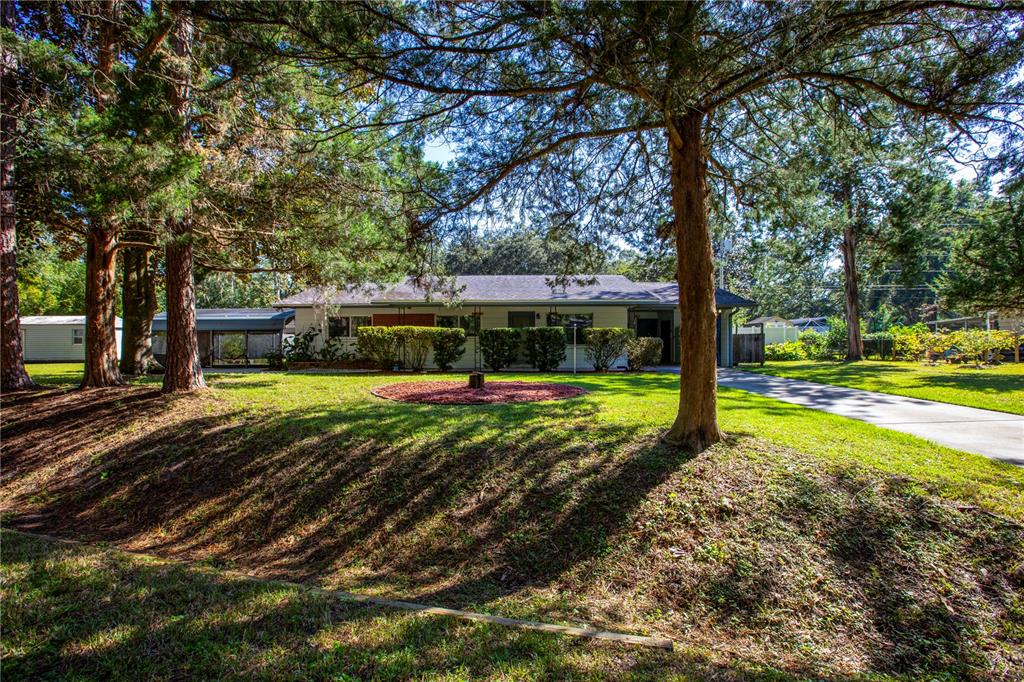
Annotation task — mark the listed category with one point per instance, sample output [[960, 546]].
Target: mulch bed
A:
[[458, 393]]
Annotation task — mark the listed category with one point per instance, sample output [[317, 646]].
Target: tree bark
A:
[[139, 304], [100, 300], [101, 239], [851, 290], [183, 371], [13, 376], [696, 424]]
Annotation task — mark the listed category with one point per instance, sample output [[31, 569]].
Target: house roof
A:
[[494, 289], [233, 319], [798, 321], [68, 320], [766, 319]]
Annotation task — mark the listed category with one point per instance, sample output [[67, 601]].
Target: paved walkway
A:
[[998, 435]]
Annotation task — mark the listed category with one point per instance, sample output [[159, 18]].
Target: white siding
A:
[[493, 316], [52, 343]]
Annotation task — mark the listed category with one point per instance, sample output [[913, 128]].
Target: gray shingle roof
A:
[[513, 288]]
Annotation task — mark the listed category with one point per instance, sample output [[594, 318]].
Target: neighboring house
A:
[[775, 329], [488, 301], [230, 336], [57, 338], [814, 324]]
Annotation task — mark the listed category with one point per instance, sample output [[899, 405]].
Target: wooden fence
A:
[[748, 348]]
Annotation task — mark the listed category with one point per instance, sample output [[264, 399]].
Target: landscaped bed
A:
[[807, 543], [459, 393]]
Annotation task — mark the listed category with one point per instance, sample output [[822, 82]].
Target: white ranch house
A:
[[489, 301]]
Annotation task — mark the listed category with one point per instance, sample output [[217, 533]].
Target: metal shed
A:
[[231, 337]]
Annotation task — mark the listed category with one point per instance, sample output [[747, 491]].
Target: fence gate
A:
[[748, 348]]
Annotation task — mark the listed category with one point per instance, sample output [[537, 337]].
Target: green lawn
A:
[[806, 542], [992, 388]]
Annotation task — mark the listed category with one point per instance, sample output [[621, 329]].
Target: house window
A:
[[469, 323], [346, 326], [580, 321], [77, 336]]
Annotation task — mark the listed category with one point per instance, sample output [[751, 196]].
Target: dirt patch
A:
[[458, 393]]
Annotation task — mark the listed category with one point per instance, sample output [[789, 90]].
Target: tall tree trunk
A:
[[13, 376], [183, 371], [851, 290], [696, 424], [101, 238], [139, 304], [100, 300]]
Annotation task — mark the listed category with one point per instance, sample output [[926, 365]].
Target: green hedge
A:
[[378, 344], [643, 351], [500, 346], [605, 345], [449, 346], [544, 347]]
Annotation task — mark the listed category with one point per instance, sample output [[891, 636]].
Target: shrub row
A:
[[916, 342], [544, 347], [410, 346]]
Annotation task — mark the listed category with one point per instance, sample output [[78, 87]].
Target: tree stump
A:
[[476, 380]]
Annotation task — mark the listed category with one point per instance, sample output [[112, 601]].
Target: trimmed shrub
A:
[[605, 344], [414, 344], [544, 347], [643, 351], [380, 345], [910, 343], [449, 345], [500, 346], [812, 344], [788, 350]]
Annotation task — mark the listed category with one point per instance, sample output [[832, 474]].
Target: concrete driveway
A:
[[998, 435]]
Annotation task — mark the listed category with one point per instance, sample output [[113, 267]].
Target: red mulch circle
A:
[[459, 393]]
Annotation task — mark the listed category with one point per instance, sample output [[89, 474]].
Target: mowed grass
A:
[[806, 542], [78, 612], [992, 388]]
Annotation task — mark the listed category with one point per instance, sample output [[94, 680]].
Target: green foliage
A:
[[302, 347], [544, 347], [334, 350], [979, 345], [380, 345], [812, 343], [276, 359], [987, 267], [643, 351], [227, 290], [414, 344], [910, 343], [788, 350], [49, 284], [449, 345], [605, 345], [500, 346]]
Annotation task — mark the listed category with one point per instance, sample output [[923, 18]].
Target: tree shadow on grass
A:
[[102, 615]]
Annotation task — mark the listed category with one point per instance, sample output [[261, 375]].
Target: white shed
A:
[[57, 338]]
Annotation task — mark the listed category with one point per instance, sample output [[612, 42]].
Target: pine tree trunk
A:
[[13, 376], [100, 299], [696, 424], [101, 240], [851, 290], [182, 371], [139, 304]]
